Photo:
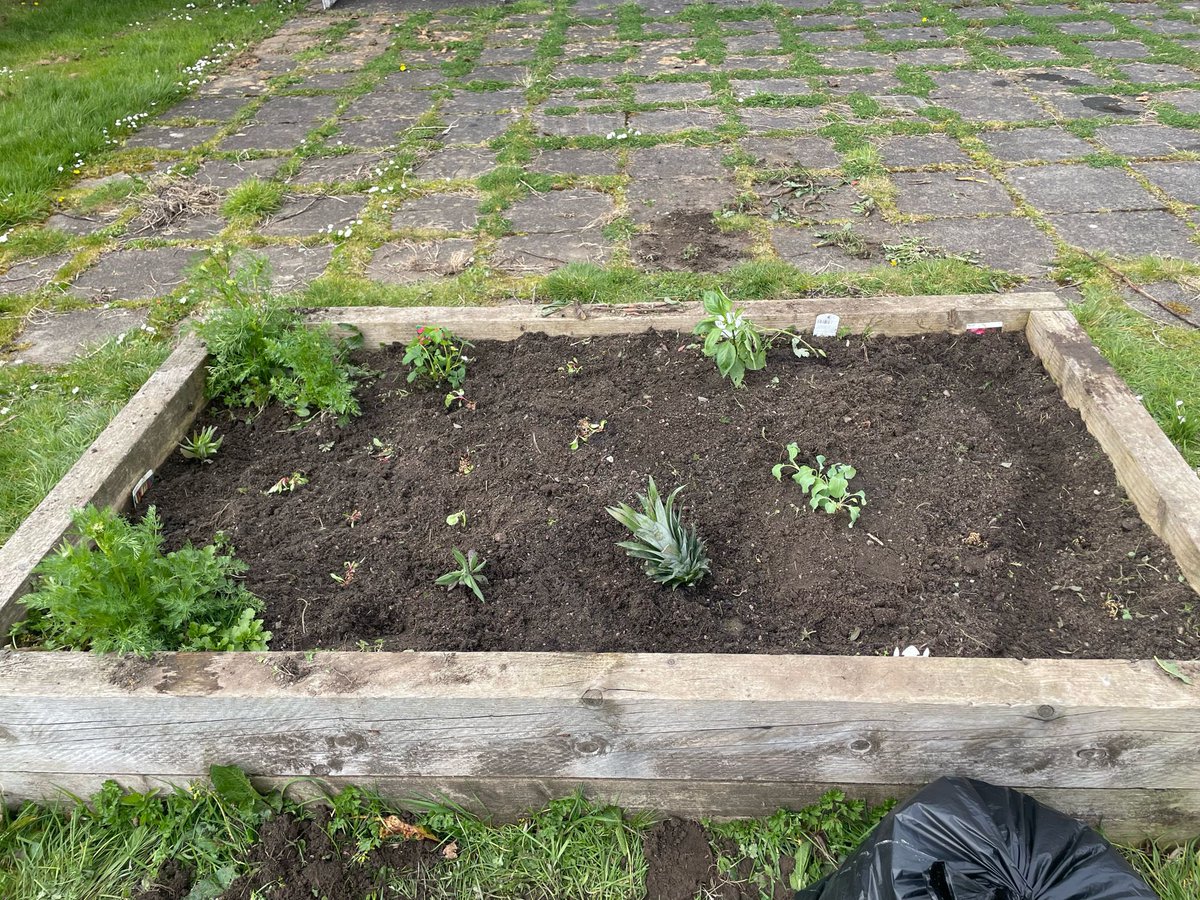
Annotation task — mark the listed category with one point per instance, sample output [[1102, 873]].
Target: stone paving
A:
[[416, 146]]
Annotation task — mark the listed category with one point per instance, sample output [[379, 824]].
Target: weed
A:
[[585, 429], [116, 590], [913, 250], [287, 484], [353, 517], [673, 555], [468, 574], [827, 488], [457, 518], [259, 349], [437, 355], [845, 238], [349, 572], [382, 451], [730, 338], [202, 445], [459, 397], [572, 367], [253, 199]]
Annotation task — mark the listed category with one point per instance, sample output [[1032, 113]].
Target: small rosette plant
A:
[[437, 355], [828, 487], [672, 554], [730, 338]]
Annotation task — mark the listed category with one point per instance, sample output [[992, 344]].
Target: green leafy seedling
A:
[[202, 445], [457, 518], [828, 488], [673, 555], [468, 574], [437, 355], [287, 484], [730, 338]]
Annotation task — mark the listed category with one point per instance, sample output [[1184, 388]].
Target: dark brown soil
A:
[[995, 526], [297, 859], [173, 882], [690, 241], [680, 864]]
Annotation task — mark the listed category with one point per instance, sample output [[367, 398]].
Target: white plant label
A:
[[826, 325]]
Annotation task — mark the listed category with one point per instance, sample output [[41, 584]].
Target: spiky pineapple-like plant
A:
[[673, 555]]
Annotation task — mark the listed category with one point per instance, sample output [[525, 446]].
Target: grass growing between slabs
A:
[[72, 71], [571, 849]]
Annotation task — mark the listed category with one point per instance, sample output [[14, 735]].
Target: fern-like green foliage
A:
[[259, 349], [115, 590], [673, 555]]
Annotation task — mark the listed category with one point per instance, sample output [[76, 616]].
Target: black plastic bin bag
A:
[[961, 839]]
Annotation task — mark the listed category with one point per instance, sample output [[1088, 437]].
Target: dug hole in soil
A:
[[994, 524]]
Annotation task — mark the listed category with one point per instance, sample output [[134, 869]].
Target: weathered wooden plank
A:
[[1157, 478], [881, 315], [1091, 724], [141, 436]]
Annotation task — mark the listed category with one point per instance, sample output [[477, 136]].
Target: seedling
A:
[[468, 574], [572, 367], [673, 555], [457, 518], [287, 484], [381, 451], [202, 445], [465, 466], [437, 355], [349, 571], [828, 487], [353, 518], [730, 338], [584, 429], [459, 397]]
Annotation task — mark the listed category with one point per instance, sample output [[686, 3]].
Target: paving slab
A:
[[1059, 80], [1180, 180], [465, 103], [561, 212], [1031, 54], [1141, 233], [751, 43], [668, 163], [1158, 73], [390, 105], [650, 201], [136, 274], [1005, 32], [855, 59], [1117, 49], [443, 212], [327, 81], [907, 151], [299, 110], [223, 174], [744, 89], [348, 167], [1047, 144], [1186, 101], [374, 132], [575, 162], [79, 224], [29, 275], [1080, 188], [873, 83], [457, 163], [1097, 28], [581, 125], [473, 129], [950, 193], [1009, 243], [290, 268], [807, 151], [503, 56], [212, 108], [931, 56], [299, 216], [756, 64], [669, 121], [804, 249], [1078, 106], [764, 120], [1148, 140], [834, 39], [265, 137], [1006, 106], [58, 338], [542, 253], [163, 137], [500, 74], [407, 263], [672, 92], [191, 226], [1177, 304]]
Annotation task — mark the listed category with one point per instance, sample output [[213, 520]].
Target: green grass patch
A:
[[253, 200], [78, 72]]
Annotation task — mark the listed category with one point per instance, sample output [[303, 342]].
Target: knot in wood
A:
[[590, 745], [320, 769], [862, 745], [593, 697], [1093, 754], [1046, 711]]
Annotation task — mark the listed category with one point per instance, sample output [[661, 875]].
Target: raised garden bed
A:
[[658, 723]]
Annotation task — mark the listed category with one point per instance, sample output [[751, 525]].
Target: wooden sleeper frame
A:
[[1116, 742]]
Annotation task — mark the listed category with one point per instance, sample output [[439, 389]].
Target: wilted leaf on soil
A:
[[394, 826]]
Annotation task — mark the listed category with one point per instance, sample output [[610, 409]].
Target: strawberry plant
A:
[[828, 488], [437, 355], [673, 555]]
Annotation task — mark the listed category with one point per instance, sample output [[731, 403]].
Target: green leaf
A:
[[234, 787], [1172, 669], [726, 357], [777, 471]]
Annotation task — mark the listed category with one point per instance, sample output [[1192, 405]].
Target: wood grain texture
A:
[[881, 315], [1157, 478], [624, 722], [140, 437]]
